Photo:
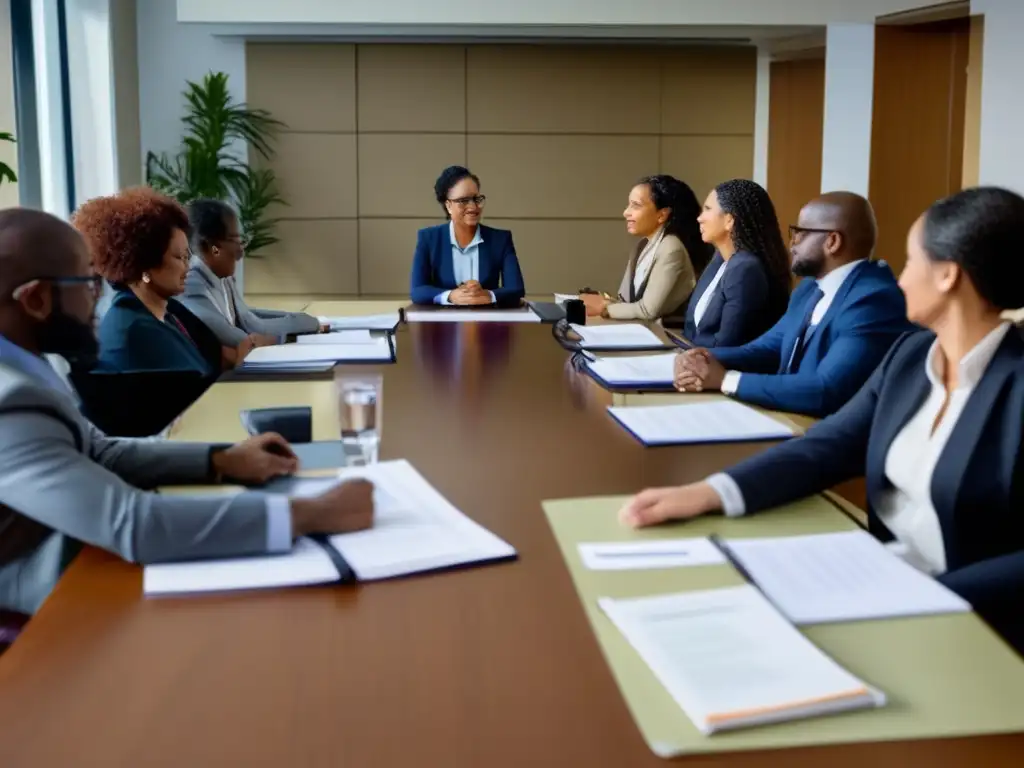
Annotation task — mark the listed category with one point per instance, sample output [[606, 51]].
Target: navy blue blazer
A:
[[132, 339], [977, 487], [867, 315], [433, 272], [744, 306]]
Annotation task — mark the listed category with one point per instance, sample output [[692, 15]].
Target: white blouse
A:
[[709, 292], [906, 508], [645, 260]]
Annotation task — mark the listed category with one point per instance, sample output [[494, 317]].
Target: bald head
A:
[[35, 244], [849, 214]]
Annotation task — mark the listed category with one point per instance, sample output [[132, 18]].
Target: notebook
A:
[[350, 336], [380, 350], [383, 322], [718, 421], [617, 336], [415, 530], [833, 577], [648, 372], [730, 660]]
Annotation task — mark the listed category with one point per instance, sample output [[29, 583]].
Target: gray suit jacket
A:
[[62, 482], [205, 298]]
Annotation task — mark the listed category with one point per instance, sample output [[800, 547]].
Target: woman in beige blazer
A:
[[664, 265]]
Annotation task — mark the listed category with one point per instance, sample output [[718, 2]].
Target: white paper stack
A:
[[415, 529], [286, 356], [717, 421], [561, 298], [730, 660], [647, 555], [362, 336], [617, 336], [635, 371], [383, 322], [450, 315], [846, 576]]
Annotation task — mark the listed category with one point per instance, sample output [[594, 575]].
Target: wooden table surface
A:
[[493, 666]]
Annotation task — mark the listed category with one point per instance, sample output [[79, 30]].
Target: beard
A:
[[65, 335], [808, 267]]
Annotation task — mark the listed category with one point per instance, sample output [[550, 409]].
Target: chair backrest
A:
[[139, 403]]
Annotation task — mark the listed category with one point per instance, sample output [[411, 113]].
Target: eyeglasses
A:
[[95, 283], [795, 232], [462, 202], [242, 240]]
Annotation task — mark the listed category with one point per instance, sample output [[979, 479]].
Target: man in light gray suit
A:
[[210, 289], [62, 482]]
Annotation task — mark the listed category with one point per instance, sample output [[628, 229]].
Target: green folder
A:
[[944, 676]]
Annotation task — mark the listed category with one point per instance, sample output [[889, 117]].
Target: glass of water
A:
[[359, 413]]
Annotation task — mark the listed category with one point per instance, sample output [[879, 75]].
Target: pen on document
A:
[[722, 547]]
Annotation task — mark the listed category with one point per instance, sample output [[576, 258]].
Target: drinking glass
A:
[[359, 414]]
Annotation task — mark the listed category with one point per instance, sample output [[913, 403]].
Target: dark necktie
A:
[[792, 360]]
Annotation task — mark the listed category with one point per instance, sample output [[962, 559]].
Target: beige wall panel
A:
[[313, 257], [560, 176], [308, 86], [709, 91], [564, 256], [705, 161], [317, 175], [972, 105], [562, 89], [397, 171], [385, 253], [412, 88]]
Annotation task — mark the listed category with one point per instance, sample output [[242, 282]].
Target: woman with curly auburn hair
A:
[[138, 240]]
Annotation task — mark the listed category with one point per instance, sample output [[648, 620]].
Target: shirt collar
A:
[[477, 237], [830, 283], [31, 365], [972, 365]]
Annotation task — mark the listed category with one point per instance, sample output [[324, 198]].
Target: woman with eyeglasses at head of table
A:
[[462, 262]]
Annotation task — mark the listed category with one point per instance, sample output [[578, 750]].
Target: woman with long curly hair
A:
[[745, 288], [138, 240]]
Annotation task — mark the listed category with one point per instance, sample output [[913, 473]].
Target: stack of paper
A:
[[720, 421], [626, 336], [730, 660], [561, 298], [289, 356], [846, 576], [385, 322], [453, 315], [415, 529], [340, 337], [634, 371]]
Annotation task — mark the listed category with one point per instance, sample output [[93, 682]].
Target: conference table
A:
[[491, 666]]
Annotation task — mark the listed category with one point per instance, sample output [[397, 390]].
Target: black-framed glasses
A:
[[462, 202], [796, 232]]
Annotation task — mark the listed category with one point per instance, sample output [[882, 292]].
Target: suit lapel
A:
[[713, 312], [948, 478], [484, 256], [837, 301], [626, 287]]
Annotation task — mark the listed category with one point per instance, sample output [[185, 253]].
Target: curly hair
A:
[[449, 177], [669, 192], [981, 229], [128, 233], [756, 228]]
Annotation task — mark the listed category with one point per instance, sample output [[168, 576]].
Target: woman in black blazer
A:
[[745, 288], [938, 430]]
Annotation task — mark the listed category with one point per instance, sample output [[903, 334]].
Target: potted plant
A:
[[207, 166], [6, 172]]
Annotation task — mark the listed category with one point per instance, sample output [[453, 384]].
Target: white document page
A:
[[473, 316], [633, 370], [307, 563], [625, 336], [730, 660], [289, 354], [644, 555], [360, 336], [708, 422], [383, 322], [415, 528], [847, 576], [561, 298]]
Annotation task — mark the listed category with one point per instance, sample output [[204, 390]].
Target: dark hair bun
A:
[[982, 230]]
